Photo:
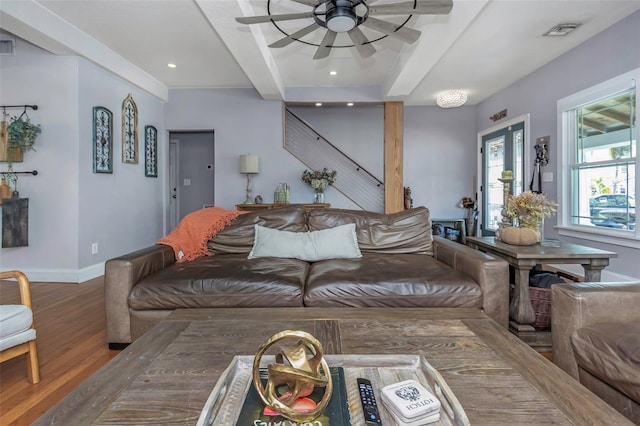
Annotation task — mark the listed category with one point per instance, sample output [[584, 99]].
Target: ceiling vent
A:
[[561, 30], [7, 46]]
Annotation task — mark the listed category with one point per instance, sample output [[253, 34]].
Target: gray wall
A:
[[70, 206], [244, 123], [440, 157], [614, 51], [439, 148]]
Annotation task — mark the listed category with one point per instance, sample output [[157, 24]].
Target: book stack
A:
[[410, 403], [336, 413]]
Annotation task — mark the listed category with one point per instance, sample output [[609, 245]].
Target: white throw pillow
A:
[[334, 243]]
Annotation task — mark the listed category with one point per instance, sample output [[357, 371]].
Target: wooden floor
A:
[[69, 321]]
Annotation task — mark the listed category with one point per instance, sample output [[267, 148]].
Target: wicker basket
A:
[[541, 301]]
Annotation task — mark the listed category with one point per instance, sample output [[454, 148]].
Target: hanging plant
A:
[[22, 133]]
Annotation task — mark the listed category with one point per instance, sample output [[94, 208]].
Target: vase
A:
[[318, 198]]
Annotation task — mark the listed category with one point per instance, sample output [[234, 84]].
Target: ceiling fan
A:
[[345, 16]]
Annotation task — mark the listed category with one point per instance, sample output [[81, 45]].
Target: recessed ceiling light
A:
[[333, 72], [350, 104], [170, 65], [561, 29], [318, 103]]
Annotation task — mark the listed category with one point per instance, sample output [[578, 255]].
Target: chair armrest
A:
[[120, 275], [578, 305], [23, 284], [491, 273]]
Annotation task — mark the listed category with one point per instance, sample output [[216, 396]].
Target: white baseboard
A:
[[606, 275], [71, 276]]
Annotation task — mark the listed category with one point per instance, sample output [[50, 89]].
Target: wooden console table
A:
[[524, 258], [263, 206]]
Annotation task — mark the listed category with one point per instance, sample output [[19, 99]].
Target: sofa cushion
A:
[[611, 352], [408, 231], [223, 280], [238, 236], [333, 243], [402, 280]]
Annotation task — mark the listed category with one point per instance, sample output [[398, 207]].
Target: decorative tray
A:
[[225, 402]]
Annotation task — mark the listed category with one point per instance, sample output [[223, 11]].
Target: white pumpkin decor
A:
[[520, 236]]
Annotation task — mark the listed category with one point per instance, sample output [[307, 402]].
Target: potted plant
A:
[[22, 133]]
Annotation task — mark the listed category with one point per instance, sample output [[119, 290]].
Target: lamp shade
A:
[[249, 163]]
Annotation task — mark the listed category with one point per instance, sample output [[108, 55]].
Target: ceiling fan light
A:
[[451, 99], [341, 19], [341, 24]]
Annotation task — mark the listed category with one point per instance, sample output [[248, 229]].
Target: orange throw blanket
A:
[[189, 239]]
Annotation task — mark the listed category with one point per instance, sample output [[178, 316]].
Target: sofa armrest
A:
[[120, 275], [578, 305], [491, 273]]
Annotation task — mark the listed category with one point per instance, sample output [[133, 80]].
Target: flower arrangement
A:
[[529, 208], [469, 204], [319, 180]]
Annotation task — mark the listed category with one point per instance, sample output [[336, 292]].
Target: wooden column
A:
[[393, 156]]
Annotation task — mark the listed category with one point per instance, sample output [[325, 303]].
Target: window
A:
[[599, 162]]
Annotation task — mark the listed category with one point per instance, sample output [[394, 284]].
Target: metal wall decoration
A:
[[498, 115], [129, 131], [150, 151], [102, 140]]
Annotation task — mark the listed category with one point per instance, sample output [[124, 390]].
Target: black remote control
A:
[[369, 405]]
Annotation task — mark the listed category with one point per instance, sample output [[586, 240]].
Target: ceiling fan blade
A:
[[326, 44], [359, 40], [428, 7], [307, 2], [404, 33], [269, 18], [293, 37]]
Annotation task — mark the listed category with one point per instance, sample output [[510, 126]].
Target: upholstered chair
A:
[[596, 339], [17, 335]]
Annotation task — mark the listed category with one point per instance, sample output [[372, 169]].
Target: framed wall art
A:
[[129, 131], [150, 151], [102, 140]]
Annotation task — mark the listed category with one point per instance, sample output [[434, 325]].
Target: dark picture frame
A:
[[150, 151], [102, 140]]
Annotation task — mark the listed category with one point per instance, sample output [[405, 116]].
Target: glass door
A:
[[501, 150]]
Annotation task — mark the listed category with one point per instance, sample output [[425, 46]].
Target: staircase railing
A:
[[316, 152]]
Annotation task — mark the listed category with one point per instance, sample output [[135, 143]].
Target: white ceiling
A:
[[481, 47]]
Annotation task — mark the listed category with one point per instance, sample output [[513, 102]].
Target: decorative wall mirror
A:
[[129, 131]]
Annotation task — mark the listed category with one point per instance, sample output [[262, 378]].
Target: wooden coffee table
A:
[[166, 376]]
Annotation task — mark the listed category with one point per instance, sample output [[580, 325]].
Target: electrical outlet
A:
[[94, 248]]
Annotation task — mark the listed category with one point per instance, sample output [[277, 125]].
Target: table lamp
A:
[[249, 165]]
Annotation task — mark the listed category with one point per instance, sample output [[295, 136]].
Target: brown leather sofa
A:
[[596, 339], [402, 265]]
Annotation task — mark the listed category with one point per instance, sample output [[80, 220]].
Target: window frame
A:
[[567, 147]]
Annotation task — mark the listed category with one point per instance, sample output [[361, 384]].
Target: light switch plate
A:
[[547, 177], [187, 182]]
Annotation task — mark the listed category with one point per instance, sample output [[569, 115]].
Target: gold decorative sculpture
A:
[[301, 368]]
